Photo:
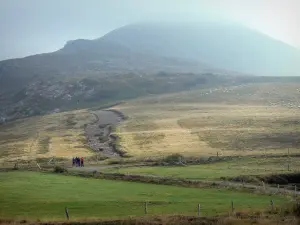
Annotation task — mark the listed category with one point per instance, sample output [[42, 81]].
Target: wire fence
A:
[[282, 188], [185, 208], [115, 209]]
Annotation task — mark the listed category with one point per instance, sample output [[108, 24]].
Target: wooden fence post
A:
[[277, 188], [263, 185], [272, 205], [146, 208], [199, 210], [67, 213]]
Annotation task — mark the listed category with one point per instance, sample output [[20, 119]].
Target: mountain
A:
[[223, 45], [137, 60], [88, 57], [84, 72]]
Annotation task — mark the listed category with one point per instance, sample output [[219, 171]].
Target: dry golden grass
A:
[[238, 120], [60, 135], [242, 120]]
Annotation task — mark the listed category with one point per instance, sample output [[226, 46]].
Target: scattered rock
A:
[[99, 135]]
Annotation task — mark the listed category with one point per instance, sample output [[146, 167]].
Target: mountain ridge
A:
[[123, 65]]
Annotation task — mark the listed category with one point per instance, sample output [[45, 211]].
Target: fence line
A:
[[196, 209]]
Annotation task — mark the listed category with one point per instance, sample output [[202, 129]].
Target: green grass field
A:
[[214, 171], [32, 196]]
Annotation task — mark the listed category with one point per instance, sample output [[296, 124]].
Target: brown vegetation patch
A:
[[70, 120], [148, 138], [10, 137], [44, 145], [242, 140]]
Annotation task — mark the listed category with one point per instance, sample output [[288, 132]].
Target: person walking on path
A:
[[73, 161], [81, 161]]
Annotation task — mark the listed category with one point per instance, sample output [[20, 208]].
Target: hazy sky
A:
[[36, 26]]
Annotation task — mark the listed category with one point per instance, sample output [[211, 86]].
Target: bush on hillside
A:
[[16, 167], [59, 169], [174, 159]]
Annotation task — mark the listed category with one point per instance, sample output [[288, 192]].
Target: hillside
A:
[[223, 45], [87, 57], [236, 120], [138, 60], [41, 95], [248, 119], [83, 72]]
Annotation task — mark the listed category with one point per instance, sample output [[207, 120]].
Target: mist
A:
[[35, 26]]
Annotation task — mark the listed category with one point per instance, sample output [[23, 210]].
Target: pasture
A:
[[44, 196], [215, 171], [245, 120]]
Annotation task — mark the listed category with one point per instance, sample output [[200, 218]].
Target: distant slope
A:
[[88, 57], [223, 45]]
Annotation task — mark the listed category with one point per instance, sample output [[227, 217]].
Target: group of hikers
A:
[[78, 162]]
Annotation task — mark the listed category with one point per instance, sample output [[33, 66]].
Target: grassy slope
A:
[[241, 120], [34, 195], [214, 171], [59, 135], [52, 135]]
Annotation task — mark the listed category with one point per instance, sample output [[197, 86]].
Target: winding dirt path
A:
[[98, 134]]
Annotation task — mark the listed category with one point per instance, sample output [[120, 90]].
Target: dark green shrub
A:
[[16, 167], [174, 159], [59, 169]]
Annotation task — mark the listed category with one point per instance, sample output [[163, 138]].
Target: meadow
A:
[[253, 119], [59, 135], [216, 170], [260, 120], [44, 196]]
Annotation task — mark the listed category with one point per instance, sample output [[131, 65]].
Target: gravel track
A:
[[98, 134]]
